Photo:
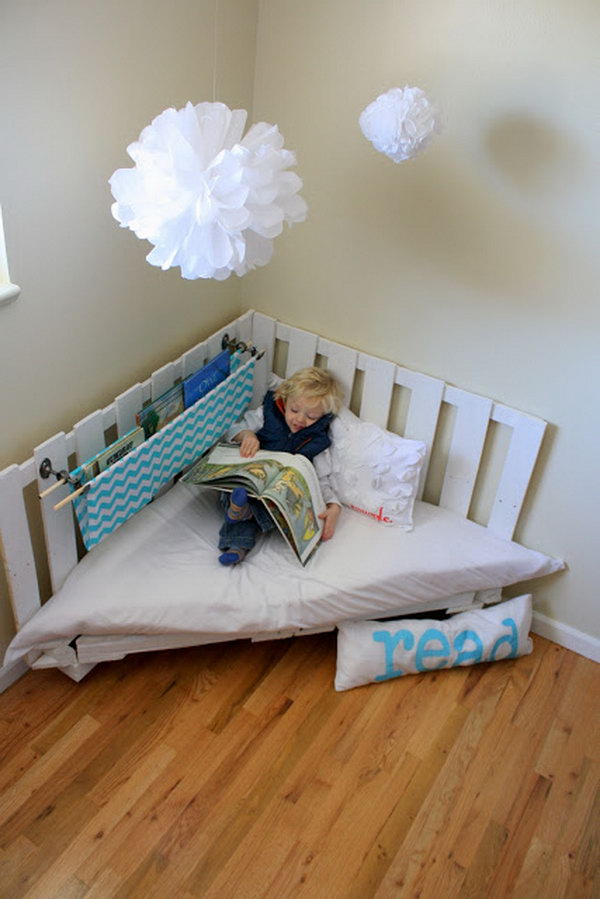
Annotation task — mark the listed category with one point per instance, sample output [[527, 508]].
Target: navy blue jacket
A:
[[275, 434]]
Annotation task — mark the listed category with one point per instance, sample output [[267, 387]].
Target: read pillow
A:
[[374, 471], [376, 651]]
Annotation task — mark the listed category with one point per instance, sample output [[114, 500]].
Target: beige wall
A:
[[78, 82], [474, 261]]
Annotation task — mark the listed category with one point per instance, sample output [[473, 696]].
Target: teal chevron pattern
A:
[[128, 485]]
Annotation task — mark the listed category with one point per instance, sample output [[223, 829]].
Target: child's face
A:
[[302, 411]]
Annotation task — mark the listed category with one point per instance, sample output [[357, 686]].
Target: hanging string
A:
[[215, 38]]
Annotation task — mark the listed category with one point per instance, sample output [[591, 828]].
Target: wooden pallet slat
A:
[[378, 387], [466, 447], [163, 379], [302, 349], [89, 436], [59, 526], [341, 361], [263, 338], [193, 359], [243, 327], [524, 446], [16, 549], [424, 407], [128, 404]]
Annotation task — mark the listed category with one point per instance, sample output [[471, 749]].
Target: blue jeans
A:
[[243, 534]]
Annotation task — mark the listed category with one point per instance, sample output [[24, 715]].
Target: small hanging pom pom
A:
[[400, 123]]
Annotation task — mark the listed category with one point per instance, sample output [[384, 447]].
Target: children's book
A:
[[198, 385], [285, 483], [108, 456], [161, 411]]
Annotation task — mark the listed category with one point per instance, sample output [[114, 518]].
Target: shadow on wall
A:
[[484, 219], [532, 155]]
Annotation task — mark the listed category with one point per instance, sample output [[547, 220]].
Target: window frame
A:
[[8, 290]]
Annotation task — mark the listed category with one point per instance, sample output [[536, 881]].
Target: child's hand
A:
[[330, 517], [248, 443]]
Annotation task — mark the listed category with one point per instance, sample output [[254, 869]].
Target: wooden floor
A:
[[237, 771]]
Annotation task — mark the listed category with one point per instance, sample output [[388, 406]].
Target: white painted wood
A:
[[59, 656], [163, 379], [77, 672], [378, 386], [16, 549], [521, 457], [214, 344], [128, 404], [89, 436], [263, 338], [426, 395], [490, 596], [466, 446], [243, 328], [341, 361], [28, 472], [59, 527], [194, 359], [111, 647], [302, 349], [567, 636]]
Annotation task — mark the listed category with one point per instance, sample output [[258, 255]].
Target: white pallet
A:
[[463, 475]]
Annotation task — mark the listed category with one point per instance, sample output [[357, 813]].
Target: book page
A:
[[226, 467], [297, 493], [286, 483]]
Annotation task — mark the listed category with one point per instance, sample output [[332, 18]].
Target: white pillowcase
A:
[[374, 471], [376, 651]]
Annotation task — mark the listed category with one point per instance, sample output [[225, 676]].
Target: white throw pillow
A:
[[376, 651], [374, 471]]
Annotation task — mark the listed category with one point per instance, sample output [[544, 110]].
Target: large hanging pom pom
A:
[[400, 123], [208, 200]]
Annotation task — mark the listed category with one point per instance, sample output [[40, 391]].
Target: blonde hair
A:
[[317, 383]]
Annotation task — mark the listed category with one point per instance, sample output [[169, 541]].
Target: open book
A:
[[286, 484]]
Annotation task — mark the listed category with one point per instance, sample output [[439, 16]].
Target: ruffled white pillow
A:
[[374, 471]]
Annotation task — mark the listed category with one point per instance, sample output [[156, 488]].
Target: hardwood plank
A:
[[87, 839], [411, 865], [484, 862], [45, 767], [521, 826]]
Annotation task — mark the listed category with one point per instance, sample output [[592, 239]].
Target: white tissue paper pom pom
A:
[[208, 200], [400, 123]]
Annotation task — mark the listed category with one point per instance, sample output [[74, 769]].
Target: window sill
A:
[[8, 293]]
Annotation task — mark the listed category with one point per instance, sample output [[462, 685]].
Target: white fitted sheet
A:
[[159, 574]]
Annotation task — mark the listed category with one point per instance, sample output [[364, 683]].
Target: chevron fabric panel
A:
[[128, 485]]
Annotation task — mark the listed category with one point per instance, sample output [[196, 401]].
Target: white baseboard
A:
[[11, 673], [566, 636]]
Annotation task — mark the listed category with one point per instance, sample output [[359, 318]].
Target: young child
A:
[[294, 418]]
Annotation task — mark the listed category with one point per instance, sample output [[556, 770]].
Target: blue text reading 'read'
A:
[[433, 649]]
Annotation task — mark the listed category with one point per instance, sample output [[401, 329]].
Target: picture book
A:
[[108, 456], [286, 484], [198, 385], [161, 411]]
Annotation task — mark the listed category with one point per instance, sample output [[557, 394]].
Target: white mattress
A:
[[159, 574]]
